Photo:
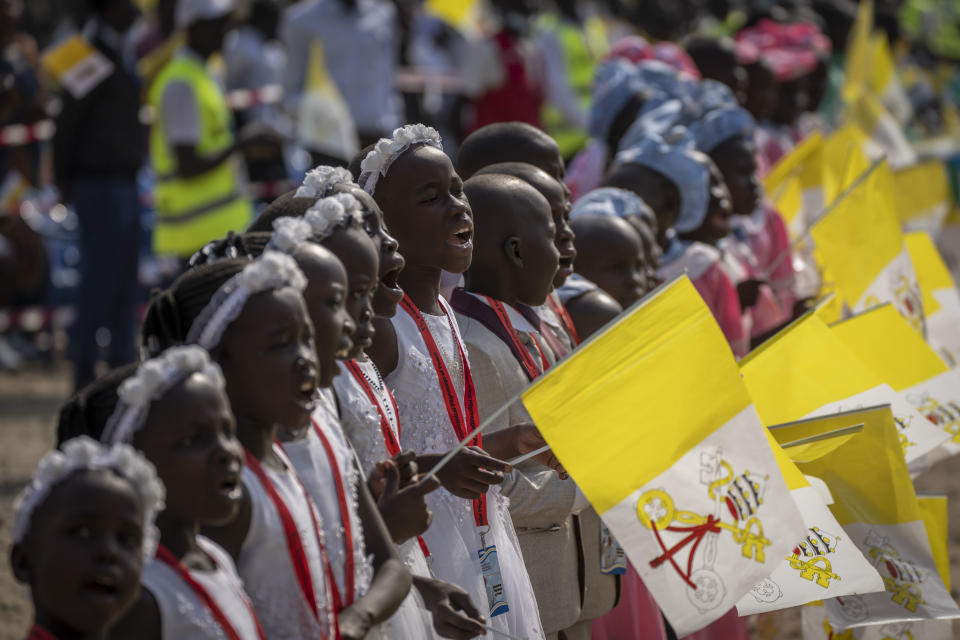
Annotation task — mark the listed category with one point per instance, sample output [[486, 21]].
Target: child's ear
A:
[[512, 251], [20, 564]]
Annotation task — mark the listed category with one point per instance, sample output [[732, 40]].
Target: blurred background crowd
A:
[[315, 81]]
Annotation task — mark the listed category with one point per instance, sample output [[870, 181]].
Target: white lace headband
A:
[[387, 150], [85, 453], [320, 221], [272, 270], [151, 381], [318, 181]]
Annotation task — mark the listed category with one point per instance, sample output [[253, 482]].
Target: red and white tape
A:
[[16, 135], [246, 98]]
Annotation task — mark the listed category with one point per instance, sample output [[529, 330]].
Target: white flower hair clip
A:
[[150, 382], [333, 212], [387, 150], [83, 454], [318, 181], [272, 270], [288, 233]]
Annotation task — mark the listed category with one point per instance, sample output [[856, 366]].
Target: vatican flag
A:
[[807, 371], [860, 244], [933, 509], [941, 299], [824, 563], [883, 340], [923, 197], [795, 185], [652, 421], [874, 501]]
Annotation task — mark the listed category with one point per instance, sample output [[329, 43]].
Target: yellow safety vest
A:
[[582, 48], [192, 211]]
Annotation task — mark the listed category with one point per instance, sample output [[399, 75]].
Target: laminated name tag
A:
[[613, 561], [492, 580]]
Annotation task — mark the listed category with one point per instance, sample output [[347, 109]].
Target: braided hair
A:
[[87, 412], [172, 311]]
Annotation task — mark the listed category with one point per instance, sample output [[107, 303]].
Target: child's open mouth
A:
[[565, 263], [229, 487], [462, 239], [389, 281], [307, 392], [103, 586]]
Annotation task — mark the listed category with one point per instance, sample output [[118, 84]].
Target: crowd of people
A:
[[352, 302]]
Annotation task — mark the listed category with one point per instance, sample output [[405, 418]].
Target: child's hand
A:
[[354, 623], [405, 510], [405, 461], [454, 615], [528, 439], [471, 472], [749, 291]]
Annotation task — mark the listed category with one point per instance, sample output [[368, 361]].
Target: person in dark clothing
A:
[[99, 146]]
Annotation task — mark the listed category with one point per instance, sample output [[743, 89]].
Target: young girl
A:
[[174, 410], [371, 421], [421, 196], [322, 454], [81, 531], [252, 316]]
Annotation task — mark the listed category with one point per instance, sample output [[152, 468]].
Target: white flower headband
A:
[[318, 181], [288, 234], [333, 212], [85, 453], [151, 381], [272, 270], [378, 161]]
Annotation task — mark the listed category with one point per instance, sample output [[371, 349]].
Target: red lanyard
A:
[[345, 599], [294, 544], [533, 372], [389, 437], [39, 633], [164, 556], [462, 424], [564, 316]]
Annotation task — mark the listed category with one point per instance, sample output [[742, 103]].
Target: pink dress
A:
[[635, 616], [585, 172], [769, 241], [703, 266], [729, 627]]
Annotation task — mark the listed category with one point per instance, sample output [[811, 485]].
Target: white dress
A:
[[454, 538], [266, 566], [183, 615], [310, 459], [361, 424]]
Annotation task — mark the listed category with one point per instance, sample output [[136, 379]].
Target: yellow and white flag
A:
[[861, 245], [941, 299], [885, 342], [923, 196], [795, 184], [653, 422], [76, 65], [874, 501], [806, 371], [933, 508], [824, 563]]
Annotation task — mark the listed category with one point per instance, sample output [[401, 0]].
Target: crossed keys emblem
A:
[[946, 415], [736, 500], [902, 577]]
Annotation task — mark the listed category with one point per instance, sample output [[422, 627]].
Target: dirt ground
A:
[[30, 399]]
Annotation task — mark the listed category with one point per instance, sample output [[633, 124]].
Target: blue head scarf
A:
[[615, 203]]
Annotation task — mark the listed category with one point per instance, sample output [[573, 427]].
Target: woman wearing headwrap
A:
[[751, 253]]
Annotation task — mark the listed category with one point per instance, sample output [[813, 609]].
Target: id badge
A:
[[492, 580], [613, 561]]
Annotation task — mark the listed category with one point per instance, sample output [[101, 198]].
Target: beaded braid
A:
[[172, 311]]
